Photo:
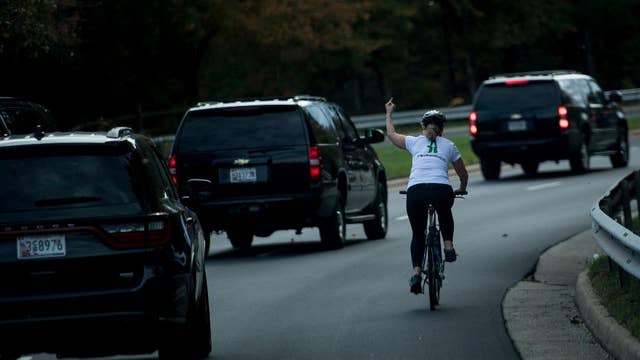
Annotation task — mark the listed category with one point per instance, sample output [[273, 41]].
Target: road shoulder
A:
[[540, 312]]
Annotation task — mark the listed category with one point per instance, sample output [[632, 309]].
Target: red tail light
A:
[[314, 163], [473, 128], [173, 164], [149, 232], [562, 111], [563, 122], [517, 82]]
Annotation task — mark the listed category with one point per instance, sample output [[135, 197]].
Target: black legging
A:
[[418, 198]]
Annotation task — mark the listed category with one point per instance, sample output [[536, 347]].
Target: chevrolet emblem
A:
[[516, 116], [240, 161]]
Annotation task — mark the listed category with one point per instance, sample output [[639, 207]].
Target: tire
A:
[[432, 277], [241, 239], [191, 340], [579, 159], [530, 168], [333, 230], [490, 168], [377, 229], [621, 158]]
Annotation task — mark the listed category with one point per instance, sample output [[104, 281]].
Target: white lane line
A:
[[544, 186], [405, 217]]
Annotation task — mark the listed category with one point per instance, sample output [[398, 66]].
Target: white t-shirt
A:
[[430, 161]]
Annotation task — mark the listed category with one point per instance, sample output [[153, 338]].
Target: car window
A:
[[575, 90], [502, 97], [157, 176], [335, 118], [321, 125], [241, 128], [348, 125], [596, 96], [50, 182]]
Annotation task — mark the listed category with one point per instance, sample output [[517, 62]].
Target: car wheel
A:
[[377, 228], [490, 168], [241, 239], [333, 230], [191, 340], [580, 158], [530, 168], [621, 158]]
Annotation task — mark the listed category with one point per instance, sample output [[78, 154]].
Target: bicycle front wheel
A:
[[432, 277]]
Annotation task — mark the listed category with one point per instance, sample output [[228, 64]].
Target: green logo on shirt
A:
[[433, 147]]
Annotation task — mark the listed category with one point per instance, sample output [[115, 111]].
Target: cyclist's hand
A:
[[460, 192], [390, 106]]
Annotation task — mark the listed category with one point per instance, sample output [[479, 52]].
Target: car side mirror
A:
[[373, 136], [197, 190], [615, 96]]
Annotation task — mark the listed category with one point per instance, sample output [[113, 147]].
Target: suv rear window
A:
[[502, 97], [66, 182], [237, 128]]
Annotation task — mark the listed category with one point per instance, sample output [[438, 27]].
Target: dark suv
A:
[[97, 253], [527, 118], [18, 116], [267, 165]]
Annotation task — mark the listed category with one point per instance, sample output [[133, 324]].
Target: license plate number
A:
[[41, 246], [517, 125], [242, 175]]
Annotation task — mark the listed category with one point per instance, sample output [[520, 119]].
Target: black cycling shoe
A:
[[416, 284], [450, 255]]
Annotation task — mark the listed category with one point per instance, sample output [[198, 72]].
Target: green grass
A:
[[621, 303], [397, 162]]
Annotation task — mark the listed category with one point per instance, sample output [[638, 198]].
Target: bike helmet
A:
[[433, 116]]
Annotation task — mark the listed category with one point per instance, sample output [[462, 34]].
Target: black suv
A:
[[527, 118], [18, 116], [97, 253], [267, 165]]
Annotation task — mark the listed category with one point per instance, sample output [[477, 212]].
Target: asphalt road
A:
[[289, 299]]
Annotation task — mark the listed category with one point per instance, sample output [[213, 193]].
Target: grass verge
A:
[[621, 303], [397, 162]]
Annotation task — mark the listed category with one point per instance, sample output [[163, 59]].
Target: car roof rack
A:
[[309, 98], [119, 131], [535, 73]]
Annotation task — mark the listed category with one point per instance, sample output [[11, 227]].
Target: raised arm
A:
[[395, 138]]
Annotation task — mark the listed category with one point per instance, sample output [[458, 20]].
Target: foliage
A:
[[87, 59]]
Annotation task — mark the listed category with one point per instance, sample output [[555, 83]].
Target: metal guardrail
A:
[[612, 221], [453, 113]]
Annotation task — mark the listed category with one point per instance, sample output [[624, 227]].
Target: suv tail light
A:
[[563, 122], [473, 128], [146, 232], [173, 164], [314, 163]]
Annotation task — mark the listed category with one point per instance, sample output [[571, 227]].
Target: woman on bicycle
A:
[[429, 183]]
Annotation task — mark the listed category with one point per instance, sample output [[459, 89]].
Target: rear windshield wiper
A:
[[67, 200]]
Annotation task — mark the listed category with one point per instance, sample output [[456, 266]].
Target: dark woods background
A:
[[144, 62]]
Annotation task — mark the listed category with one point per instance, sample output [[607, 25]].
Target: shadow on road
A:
[[283, 249]]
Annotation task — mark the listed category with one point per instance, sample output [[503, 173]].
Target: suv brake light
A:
[[152, 231], [517, 82], [173, 164], [473, 128], [314, 163], [563, 122]]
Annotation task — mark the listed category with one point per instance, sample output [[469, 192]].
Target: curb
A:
[[616, 339]]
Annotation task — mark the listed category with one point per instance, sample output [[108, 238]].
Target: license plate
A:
[[517, 125], [242, 175], [41, 246]]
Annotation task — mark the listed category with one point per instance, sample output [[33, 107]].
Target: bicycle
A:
[[434, 271]]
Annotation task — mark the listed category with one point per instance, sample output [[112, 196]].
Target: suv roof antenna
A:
[[38, 134], [119, 132]]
